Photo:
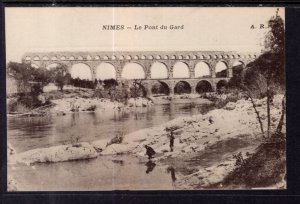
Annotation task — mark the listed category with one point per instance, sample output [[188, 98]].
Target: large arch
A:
[[182, 87], [237, 68], [221, 85], [204, 86], [160, 88], [34, 66], [137, 90], [159, 71], [221, 69], [238, 63], [202, 70], [181, 70], [133, 70], [105, 71], [81, 71]]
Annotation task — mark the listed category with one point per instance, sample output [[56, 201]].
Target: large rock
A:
[[230, 106], [56, 154]]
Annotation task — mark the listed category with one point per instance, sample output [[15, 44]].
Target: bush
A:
[[263, 168], [17, 107]]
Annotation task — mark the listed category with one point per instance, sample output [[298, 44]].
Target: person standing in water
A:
[[171, 140], [149, 151]]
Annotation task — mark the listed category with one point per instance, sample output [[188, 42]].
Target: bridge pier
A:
[[193, 89], [229, 73]]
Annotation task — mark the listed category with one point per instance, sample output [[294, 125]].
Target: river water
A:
[[34, 132], [104, 173]]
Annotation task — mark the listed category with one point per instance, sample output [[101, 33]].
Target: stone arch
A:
[[182, 87], [237, 68], [54, 58], [133, 70], [181, 70], [180, 57], [138, 91], [105, 57], [97, 57], [187, 57], [36, 58], [34, 66], [221, 85], [88, 57], [80, 58], [27, 58], [143, 57], [113, 57], [202, 69], [136, 57], [194, 57], [159, 70], [82, 71], [221, 69], [72, 58], [121, 57], [45, 58], [204, 86], [159, 88], [173, 57], [150, 57], [62, 58], [166, 57], [105, 70], [238, 63]]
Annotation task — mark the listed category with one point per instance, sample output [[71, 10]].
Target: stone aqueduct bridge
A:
[[146, 59]]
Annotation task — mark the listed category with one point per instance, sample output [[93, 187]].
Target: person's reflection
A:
[[74, 119], [150, 166], [171, 170]]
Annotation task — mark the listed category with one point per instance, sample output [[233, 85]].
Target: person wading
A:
[[171, 136], [149, 151]]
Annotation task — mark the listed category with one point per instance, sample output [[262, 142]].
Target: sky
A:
[[80, 29]]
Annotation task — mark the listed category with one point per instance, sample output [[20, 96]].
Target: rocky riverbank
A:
[[204, 145]]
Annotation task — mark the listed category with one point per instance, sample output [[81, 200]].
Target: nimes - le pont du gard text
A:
[[143, 27]]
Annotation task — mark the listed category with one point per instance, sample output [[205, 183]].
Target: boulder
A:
[[56, 154], [230, 106]]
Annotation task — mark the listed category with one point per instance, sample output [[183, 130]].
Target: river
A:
[[25, 133], [105, 172]]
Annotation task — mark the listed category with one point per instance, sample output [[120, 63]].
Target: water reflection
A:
[[171, 170], [118, 161], [150, 166], [54, 130]]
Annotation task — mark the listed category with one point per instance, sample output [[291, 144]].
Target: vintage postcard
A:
[[145, 98]]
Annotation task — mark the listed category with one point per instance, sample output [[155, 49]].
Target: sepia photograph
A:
[[145, 98]]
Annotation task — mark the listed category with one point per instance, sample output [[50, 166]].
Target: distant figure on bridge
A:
[[149, 151]]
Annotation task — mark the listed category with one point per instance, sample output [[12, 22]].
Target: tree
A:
[[60, 76], [110, 83], [268, 69], [22, 73]]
